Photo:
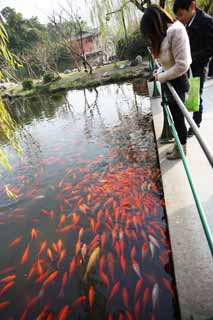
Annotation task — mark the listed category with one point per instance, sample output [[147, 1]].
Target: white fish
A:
[[40, 196], [155, 294], [154, 240], [137, 269], [152, 248]]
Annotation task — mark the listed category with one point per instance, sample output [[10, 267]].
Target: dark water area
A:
[[84, 235]]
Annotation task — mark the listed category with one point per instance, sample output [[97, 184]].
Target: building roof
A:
[[86, 34]]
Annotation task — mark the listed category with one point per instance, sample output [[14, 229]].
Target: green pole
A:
[[201, 213]]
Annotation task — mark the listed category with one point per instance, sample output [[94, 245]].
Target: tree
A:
[[6, 123], [67, 26], [23, 33]]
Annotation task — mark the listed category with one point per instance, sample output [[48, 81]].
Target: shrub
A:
[[49, 76], [27, 84], [135, 45]]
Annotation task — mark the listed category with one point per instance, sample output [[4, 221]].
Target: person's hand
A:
[[155, 75]]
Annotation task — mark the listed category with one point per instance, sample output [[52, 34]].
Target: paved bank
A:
[[192, 258]]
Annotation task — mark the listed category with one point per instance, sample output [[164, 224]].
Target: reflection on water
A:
[[86, 237]]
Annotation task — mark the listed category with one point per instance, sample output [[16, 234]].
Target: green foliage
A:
[[27, 84], [49, 77], [22, 33], [135, 45]]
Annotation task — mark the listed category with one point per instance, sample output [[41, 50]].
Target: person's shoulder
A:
[[175, 28], [203, 17]]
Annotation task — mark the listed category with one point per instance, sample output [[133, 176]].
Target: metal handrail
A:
[[203, 146]]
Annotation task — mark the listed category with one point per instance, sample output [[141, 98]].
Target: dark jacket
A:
[[201, 40]]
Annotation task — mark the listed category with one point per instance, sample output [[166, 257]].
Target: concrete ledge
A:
[[193, 262]]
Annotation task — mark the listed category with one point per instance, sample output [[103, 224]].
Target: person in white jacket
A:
[[170, 45]]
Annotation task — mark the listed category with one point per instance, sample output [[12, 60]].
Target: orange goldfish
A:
[[91, 296], [137, 309], [8, 278], [114, 291], [61, 257], [123, 264], [49, 254], [4, 304], [42, 314], [7, 287], [50, 278], [125, 297], [42, 247], [78, 301], [104, 278], [34, 233], [25, 254], [15, 241], [138, 288], [62, 219], [72, 267], [63, 313], [63, 283]]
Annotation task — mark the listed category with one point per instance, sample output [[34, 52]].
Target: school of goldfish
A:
[[94, 246]]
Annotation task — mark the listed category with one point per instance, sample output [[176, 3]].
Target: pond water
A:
[[82, 219]]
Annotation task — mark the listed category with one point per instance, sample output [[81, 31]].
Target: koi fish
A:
[[25, 254], [62, 219], [49, 254], [111, 264], [15, 241], [81, 232], [50, 316], [136, 268], [144, 250], [84, 251], [63, 313], [7, 270], [42, 247], [7, 287], [104, 278], [138, 288], [42, 314], [61, 257], [72, 267], [4, 304], [91, 297], [55, 248], [145, 297], [155, 294], [128, 315], [78, 301], [94, 256], [114, 291], [137, 309], [103, 239], [125, 297], [77, 247], [123, 264], [34, 233], [154, 241], [51, 278], [8, 278], [168, 285], [63, 283]]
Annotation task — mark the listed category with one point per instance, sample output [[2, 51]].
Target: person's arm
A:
[[180, 47], [207, 52]]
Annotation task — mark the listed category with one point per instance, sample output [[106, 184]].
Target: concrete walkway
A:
[[193, 261]]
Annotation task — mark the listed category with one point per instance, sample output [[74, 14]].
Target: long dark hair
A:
[[154, 25]]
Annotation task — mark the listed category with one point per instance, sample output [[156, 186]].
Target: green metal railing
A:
[[206, 150]]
